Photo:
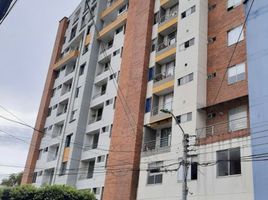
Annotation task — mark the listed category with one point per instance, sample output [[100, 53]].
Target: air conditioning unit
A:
[[211, 75], [211, 115]]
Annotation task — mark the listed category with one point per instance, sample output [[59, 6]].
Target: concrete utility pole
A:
[[184, 162]]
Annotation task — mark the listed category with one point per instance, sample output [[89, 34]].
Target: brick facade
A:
[[124, 157], [42, 112], [220, 21]]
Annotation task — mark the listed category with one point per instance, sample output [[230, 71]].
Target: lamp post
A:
[[185, 155]]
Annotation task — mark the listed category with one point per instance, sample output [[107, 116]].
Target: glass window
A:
[[236, 73], [233, 3], [234, 35], [238, 118], [155, 176], [228, 162]]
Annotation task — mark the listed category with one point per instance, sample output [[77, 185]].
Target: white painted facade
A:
[[83, 147], [190, 98]]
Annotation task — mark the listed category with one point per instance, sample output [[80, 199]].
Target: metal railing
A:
[[165, 18], [96, 119], [238, 124], [161, 76], [164, 45], [90, 147], [99, 94], [157, 144], [156, 109]]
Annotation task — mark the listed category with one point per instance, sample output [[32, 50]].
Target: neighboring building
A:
[[110, 77]]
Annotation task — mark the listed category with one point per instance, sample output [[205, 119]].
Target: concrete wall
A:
[[257, 40]]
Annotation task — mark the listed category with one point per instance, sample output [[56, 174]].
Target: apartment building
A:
[[116, 66]]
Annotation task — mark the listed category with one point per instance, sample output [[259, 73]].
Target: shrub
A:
[[56, 192]]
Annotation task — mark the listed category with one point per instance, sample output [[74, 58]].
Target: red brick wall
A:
[[42, 113], [124, 157], [220, 21], [220, 122]]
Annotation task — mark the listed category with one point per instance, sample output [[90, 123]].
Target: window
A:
[[122, 9], [235, 35], [100, 159], [186, 44], [46, 149], [85, 49], [68, 140], [73, 32], [148, 105], [77, 92], [192, 170], [151, 74], [167, 104], [112, 76], [40, 154], [233, 3], [34, 177], [119, 30], [49, 111], [155, 176], [82, 69], [236, 73], [153, 48], [184, 118], [111, 130], [105, 129], [109, 102], [165, 137], [156, 18], [91, 166], [188, 12], [63, 168], [116, 52], [73, 115], [53, 92], [186, 79], [238, 118], [228, 162]]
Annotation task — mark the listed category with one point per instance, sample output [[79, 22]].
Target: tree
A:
[[12, 180], [55, 192]]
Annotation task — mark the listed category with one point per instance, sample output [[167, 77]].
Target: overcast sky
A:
[[26, 41]]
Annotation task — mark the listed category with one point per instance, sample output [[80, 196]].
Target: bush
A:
[[56, 192]]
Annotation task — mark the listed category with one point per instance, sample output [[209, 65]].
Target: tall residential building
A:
[[117, 64]]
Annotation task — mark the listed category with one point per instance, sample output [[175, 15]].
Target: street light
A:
[[185, 155]]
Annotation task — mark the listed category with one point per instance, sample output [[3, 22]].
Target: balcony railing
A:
[[90, 147], [156, 109], [239, 126], [165, 45], [99, 94], [96, 119], [158, 144], [162, 76], [165, 18]]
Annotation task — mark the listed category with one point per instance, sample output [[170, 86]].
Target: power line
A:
[[9, 10]]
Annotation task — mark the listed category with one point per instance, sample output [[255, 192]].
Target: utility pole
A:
[[184, 163]]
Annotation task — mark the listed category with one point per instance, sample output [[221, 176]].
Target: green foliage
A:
[[56, 192], [12, 180]]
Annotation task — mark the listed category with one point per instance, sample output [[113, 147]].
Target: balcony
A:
[[111, 8], [223, 131], [165, 52], [156, 140], [157, 115], [168, 23], [111, 27], [71, 55]]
